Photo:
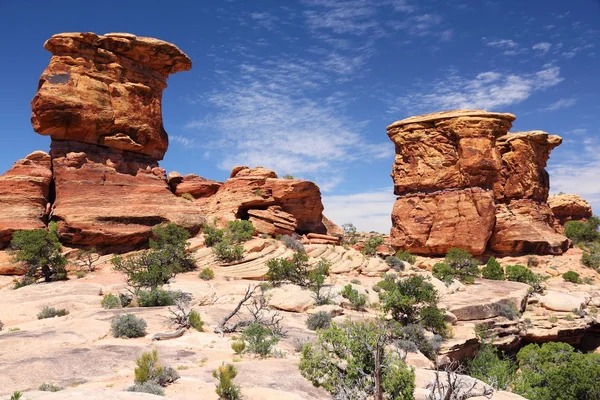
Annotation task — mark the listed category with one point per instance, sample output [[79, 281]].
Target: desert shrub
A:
[[488, 366], [520, 273], [413, 337], [406, 256], [414, 301], [293, 271], [357, 300], [16, 395], [239, 231], [188, 196], [395, 263], [493, 270], [259, 339], [388, 283], [226, 389], [350, 234], [355, 281], [288, 177], [128, 326], [40, 252], [319, 320], [212, 235], [207, 274], [371, 244], [292, 243], [226, 252], [583, 232], [571, 276], [48, 387], [1, 325], [169, 242], [156, 297], [110, 301], [458, 264], [316, 281], [147, 387], [149, 369], [591, 256], [355, 345], [238, 346], [196, 320], [509, 311], [85, 259], [51, 312], [147, 269], [556, 371]]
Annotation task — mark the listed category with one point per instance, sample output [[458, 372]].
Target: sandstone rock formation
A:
[[24, 194], [275, 206], [192, 184], [568, 207], [464, 182], [106, 90], [444, 170]]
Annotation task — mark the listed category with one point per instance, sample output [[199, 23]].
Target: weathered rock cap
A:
[[156, 54], [540, 137], [438, 116]]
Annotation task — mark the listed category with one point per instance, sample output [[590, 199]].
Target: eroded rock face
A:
[[568, 207], [279, 206], [106, 90], [194, 185], [445, 167], [24, 195], [110, 197]]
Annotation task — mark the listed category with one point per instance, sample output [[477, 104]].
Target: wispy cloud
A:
[[183, 141], [561, 103], [487, 90], [500, 44], [542, 47]]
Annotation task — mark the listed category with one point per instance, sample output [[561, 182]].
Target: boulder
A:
[[331, 309], [194, 185], [568, 207], [418, 360], [24, 195], [110, 197], [106, 90], [291, 298], [558, 301]]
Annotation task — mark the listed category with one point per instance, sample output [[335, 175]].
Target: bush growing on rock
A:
[[493, 270], [51, 312], [238, 346], [239, 231], [293, 244], [156, 298], [259, 339], [110, 301], [395, 263], [144, 270], [458, 264], [350, 234], [128, 326], [147, 387], [226, 389], [415, 337], [319, 320], [406, 256], [571, 276], [196, 320], [188, 196], [357, 300], [583, 232], [212, 235], [591, 256], [48, 387], [170, 243], [371, 244], [40, 252], [16, 395], [357, 346], [149, 369], [489, 367], [226, 252], [207, 274], [294, 271], [520, 273]]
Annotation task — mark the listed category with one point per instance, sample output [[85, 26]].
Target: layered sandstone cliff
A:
[[463, 181]]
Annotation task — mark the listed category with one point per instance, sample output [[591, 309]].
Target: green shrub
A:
[[292, 243], [490, 368], [226, 252], [591, 256], [355, 345], [16, 395], [415, 334], [443, 272], [571, 276], [520, 273], [388, 283], [196, 320], [406, 256], [40, 252], [583, 232], [259, 339], [238, 346], [458, 264], [51, 312], [149, 369], [147, 387], [147, 269], [508, 311], [207, 274], [555, 371], [239, 231], [128, 326], [226, 389], [188, 196], [110, 301], [395, 263], [48, 387], [156, 298], [212, 235], [319, 320], [493, 270], [316, 281], [371, 244], [357, 300], [293, 271], [288, 177], [169, 243]]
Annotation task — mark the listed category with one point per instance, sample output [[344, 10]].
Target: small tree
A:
[[86, 258], [583, 232], [493, 270], [295, 271], [259, 339], [357, 300], [226, 389], [316, 280], [40, 252], [520, 273], [457, 264], [350, 235], [146, 269], [170, 244]]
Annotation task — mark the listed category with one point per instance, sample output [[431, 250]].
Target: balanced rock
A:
[[106, 90], [568, 207], [24, 195]]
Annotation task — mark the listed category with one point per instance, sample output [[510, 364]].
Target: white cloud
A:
[[542, 47], [487, 90], [561, 103], [500, 44], [265, 20], [183, 141], [368, 211]]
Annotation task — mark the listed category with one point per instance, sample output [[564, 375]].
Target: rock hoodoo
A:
[[463, 181], [568, 207]]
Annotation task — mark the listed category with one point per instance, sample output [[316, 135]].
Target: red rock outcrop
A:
[[106, 90], [24, 195], [523, 218], [276, 206], [444, 170], [568, 207], [109, 197], [192, 184]]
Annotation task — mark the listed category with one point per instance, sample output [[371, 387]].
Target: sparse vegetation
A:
[[318, 320], [350, 235], [458, 264], [16, 395], [492, 368], [493, 270], [188, 196], [288, 177], [226, 389], [591, 255], [39, 251], [169, 242], [147, 387], [572, 276], [156, 298], [238, 346], [110, 301], [128, 326], [520, 273], [583, 232], [406, 256], [395, 263], [357, 300], [196, 320], [414, 336], [207, 274], [151, 376], [297, 271], [259, 339], [212, 235], [51, 312], [227, 252], [293, 243], [371, 244], [49, 387], [86, 258]]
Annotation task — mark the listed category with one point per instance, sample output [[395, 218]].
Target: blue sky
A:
[[307, 87]]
